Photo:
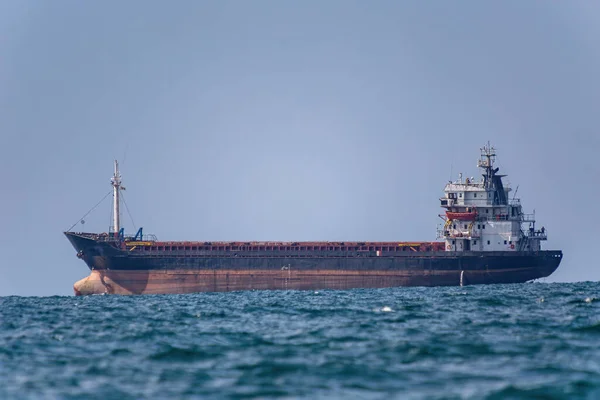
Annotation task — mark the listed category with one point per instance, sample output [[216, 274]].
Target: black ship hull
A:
[[122, 270]]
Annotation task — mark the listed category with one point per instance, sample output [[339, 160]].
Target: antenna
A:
[[486, 162], [125, 154]]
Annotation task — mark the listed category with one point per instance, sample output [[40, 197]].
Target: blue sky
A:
[[281, 120]]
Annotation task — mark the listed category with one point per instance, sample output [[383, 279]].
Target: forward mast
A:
[[116, 184]]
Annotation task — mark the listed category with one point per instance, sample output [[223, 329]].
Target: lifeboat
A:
[[468, 215]]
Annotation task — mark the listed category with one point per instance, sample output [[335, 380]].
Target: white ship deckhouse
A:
[[480, 215]]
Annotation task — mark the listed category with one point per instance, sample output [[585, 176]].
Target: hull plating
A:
[[190, 281]]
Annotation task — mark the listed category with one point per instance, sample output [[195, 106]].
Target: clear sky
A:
[[289, 120]]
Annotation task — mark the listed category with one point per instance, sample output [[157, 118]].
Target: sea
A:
[[521, 341]]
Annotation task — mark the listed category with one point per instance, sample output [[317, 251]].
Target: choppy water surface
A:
[[502, 341]]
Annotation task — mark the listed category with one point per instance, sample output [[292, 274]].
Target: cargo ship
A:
[[485, 238]]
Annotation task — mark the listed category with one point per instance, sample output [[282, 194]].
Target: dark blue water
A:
[[503, 341]]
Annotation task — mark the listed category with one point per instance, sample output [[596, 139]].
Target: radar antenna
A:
[[486, 162]]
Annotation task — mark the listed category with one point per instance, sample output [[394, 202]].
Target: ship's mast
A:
[[116, 184], [486, 162]]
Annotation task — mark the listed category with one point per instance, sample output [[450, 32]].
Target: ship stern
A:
[[549, 263]]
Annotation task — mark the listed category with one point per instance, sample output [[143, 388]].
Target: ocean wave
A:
[[497, 341]]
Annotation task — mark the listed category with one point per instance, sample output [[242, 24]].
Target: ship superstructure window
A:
[[505, 242], [474, 241], [465, 226], [460, 195], [474, 194], [488, 242]]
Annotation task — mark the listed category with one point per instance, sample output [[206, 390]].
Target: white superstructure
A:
[[481, 217]]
